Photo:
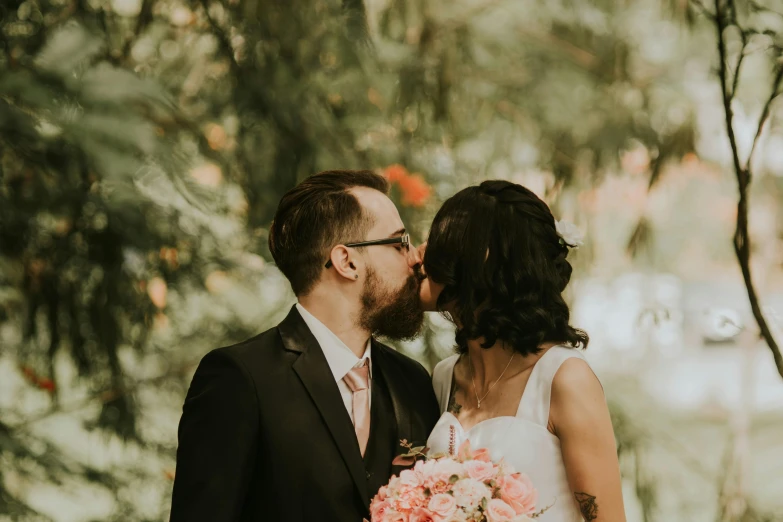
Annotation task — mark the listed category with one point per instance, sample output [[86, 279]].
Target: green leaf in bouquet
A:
[[419, 449], [453, 479], [403, 460]]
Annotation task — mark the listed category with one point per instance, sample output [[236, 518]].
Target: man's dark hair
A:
[[316, 215]]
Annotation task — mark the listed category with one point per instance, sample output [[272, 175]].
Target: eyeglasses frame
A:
[[404, 240]]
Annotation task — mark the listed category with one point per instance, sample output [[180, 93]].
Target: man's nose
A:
[[414, 257]]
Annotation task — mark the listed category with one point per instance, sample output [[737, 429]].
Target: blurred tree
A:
[[99, 218], [144, 145]]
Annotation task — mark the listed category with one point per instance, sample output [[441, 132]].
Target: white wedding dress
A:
[[522, 440]]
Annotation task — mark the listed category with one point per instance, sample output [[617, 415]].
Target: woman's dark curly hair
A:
[[496, 250]]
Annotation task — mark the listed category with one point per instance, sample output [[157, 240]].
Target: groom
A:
[[302, 422]]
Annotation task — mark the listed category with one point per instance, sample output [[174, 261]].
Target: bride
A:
[[518, 386]]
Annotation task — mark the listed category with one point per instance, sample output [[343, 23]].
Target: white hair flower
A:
[[569, 234]]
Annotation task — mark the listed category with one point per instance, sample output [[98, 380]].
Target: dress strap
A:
[[534, 405], [442, 376]]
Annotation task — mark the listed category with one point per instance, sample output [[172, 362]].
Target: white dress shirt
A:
[[339, 357]]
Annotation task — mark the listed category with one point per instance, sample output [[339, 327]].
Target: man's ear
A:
[[344, 262]]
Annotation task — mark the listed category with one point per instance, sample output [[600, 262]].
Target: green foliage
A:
[[144, 146]]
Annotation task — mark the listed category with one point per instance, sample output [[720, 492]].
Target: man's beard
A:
[[397, 314]]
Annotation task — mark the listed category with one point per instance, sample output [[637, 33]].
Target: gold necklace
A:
[[478, 400]]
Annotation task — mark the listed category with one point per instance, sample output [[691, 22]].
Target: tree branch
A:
[[703, 9], [766, 110], [756, 6], [223, 41], [5, 43], [725, 15], [356, 14], [728, 96], [738, 67]]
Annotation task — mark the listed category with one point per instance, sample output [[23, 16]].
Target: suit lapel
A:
[[317, 378]]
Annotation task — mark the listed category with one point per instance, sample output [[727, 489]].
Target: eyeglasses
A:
[[404, 240]]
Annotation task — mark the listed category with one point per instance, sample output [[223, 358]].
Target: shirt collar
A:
[[339, 357]]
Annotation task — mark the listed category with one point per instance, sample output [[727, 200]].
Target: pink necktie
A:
[[358, 381]]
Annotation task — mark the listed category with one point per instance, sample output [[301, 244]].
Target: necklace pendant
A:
[[479, 404]]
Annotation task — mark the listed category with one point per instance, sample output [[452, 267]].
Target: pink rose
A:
[[482, 454], [392, 515], [448, 468], [499, 511], [409, 479], [461, 516], [442, 505], [438, 480], [421, 515], [424, 468], [469, 492], [393, 486], [383, 493], [437, 487], [410, 498], [378, 509], [518, 492], [480, 470]]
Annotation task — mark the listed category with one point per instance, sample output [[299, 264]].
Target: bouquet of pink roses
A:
[[466, 487]]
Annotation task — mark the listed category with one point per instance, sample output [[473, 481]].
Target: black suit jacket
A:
[[265, 435]]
